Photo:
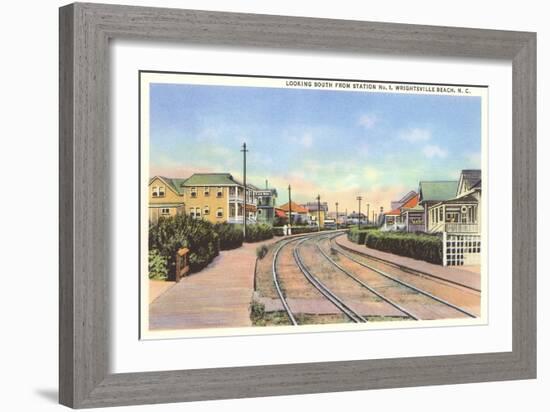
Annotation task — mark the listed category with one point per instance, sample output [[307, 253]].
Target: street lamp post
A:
[[336, 215], [359, 198], [244, 150], [318, 213], [368, 208], [289, 209]]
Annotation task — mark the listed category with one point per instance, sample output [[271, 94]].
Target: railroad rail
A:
[[365, 285], [337, 249], [276, 280], [322, 288]]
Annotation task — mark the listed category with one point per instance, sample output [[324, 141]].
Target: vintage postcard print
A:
[[272, 204]]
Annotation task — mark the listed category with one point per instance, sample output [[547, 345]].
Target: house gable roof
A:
[[412, 202], [175, 184], [210, 179], [394, 212], [468, 179], [312, 206], [436, 191], [296, 208]]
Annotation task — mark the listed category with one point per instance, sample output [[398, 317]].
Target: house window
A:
[[219, 192], [441, 214], [219, 212], [206, 210], [155, 191], [162, 191], [232, 191], [164, 211], [207, 191], [198, 212], [192, 212], [193, 192]]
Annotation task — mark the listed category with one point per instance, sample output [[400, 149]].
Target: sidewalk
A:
[[469, 277], [217, 296]]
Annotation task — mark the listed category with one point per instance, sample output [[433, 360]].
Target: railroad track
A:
[[322, 288], [408, 270], [337, 301], [315, 282], [408, 313], [338, 250], [276, 280]]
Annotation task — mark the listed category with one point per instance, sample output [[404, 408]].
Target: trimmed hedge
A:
[[359, 236], [417, 246], [296, 230], [258, 232], [231, 237], [170, 234]]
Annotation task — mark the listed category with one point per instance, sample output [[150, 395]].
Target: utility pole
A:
[[318, 213], [336, 215], [244, 150], [359, 198], [289, 208], [368, 208]]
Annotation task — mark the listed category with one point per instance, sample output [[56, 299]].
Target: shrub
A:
[[257, 311], [258, 232], [417, 246], [261, 251], [231, 236], [170, 234], [296, 230], [359, 236], [158, 265]]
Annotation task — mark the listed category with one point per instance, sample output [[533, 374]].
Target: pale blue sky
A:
[[338, 144]]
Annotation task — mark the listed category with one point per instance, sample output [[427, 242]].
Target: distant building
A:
[[315, 212], [216, 197], [392, 220], [353, 218], [166, 197], [432, 193], [299, 213], [266, 203], [461, 212], [398, 217], [396, 204], [412, 214]]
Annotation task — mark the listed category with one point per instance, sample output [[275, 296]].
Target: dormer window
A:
[[158, 191]]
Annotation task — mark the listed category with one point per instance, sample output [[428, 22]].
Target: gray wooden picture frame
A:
[[85, 31]]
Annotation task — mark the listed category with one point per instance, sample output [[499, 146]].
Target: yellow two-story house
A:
[[166, 197], [216, 197]]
